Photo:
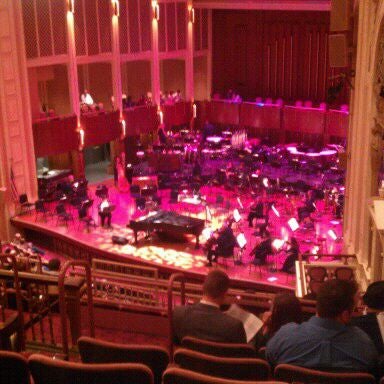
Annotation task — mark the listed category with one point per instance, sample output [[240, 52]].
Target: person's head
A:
[[374, 296], [336, 300], [54, 264], [285, 309], [215, 286]]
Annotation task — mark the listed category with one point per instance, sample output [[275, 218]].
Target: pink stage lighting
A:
[[293, 224], [278, 244]]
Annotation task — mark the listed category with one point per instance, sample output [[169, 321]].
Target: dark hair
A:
[[374, 296], [286, 309], [54, 264], [334, 297], [216, 284]]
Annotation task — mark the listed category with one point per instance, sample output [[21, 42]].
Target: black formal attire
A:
[[206, 322], [292, 256], [261, 251], [226, 242], [211, 249], [105, 214], [256, 212], [369, 324]]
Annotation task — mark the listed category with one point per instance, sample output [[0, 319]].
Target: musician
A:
[[261, 251], [105, 212], [292, 255], [226, 241], [256, 212], [210, 247]]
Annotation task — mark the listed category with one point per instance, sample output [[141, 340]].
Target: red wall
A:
[[272, 54]]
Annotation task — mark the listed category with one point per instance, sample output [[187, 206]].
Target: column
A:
[[189, 75], [16, 134], [155, 64]]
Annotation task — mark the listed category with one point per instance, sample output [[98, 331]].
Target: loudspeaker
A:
[[120, 240], [338, 50], [339, 15]]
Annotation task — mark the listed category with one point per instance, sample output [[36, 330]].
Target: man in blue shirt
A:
[[326, 341]]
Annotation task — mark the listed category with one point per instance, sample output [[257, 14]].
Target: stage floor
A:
[[182, 255]]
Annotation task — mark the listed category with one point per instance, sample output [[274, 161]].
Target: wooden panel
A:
[[145, 24], [58, 13], [105, 31], [197, 30], [171, 26], [100, 128], [141, 120], [123, 26], [223, 112], [162, 24], [54, 136], [177, 114], [286, 54], [204, 29], [337, 125], [181, 25], [29, 20], [44, 28], [79, 28], [134, 32], [91, 26]]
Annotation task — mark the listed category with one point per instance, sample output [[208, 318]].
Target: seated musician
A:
[[210, 247], [292, 255], [105, 212], [226, 241], [261, 251], [256, 212]]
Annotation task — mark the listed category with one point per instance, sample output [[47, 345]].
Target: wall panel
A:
[[286, 54]]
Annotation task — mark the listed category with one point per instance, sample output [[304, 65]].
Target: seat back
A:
[[13, 368], [39, 206], [292, 373], [344, 273], [226, 367], [60, 209], [99, 351], [218, 349], [46, 371], [23, 198], [317, 273], [183, 376]]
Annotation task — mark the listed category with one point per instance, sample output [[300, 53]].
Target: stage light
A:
[[236, 215], [191, 15], [240, 203], [272, 279], [156, 10], [116, 7], [241, 240], [207, 233], [161, 116], [293, 224], [278, 244], [82, 138], [71, 6], [194, 110], [275, 211]]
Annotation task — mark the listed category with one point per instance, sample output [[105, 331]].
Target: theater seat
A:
[[13, 368], [292, 373], [48, 371], [99, 351]]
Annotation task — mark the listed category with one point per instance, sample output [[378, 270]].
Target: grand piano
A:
[[168, 221]]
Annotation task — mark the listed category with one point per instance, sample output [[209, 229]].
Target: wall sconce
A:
[[194, 110], [191, 15], [82, 136], [116, 7], [156, 10], [123, 128], [71, 6]]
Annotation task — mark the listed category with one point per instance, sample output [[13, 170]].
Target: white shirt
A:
[[86, 98]]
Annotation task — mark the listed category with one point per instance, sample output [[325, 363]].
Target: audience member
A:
[[326, 341], [292, 255], [204, 319], [372, 323], [285, 309]]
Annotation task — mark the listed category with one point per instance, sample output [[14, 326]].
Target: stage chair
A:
[[13, 368], [140, 203], [241, 368], [175, 375], [102, 352], [308, 104], [344, 273], [47, 371], [40, 210], [63, 215], [24, 205], [218, 349], [85, 218], [134, 190], [292, 373]]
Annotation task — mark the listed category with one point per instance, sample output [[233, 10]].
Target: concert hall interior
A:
[[182, 136]]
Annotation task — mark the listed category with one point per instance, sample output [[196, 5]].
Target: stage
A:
[[179, 255]]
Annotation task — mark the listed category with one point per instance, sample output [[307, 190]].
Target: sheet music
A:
[[251, 323]]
